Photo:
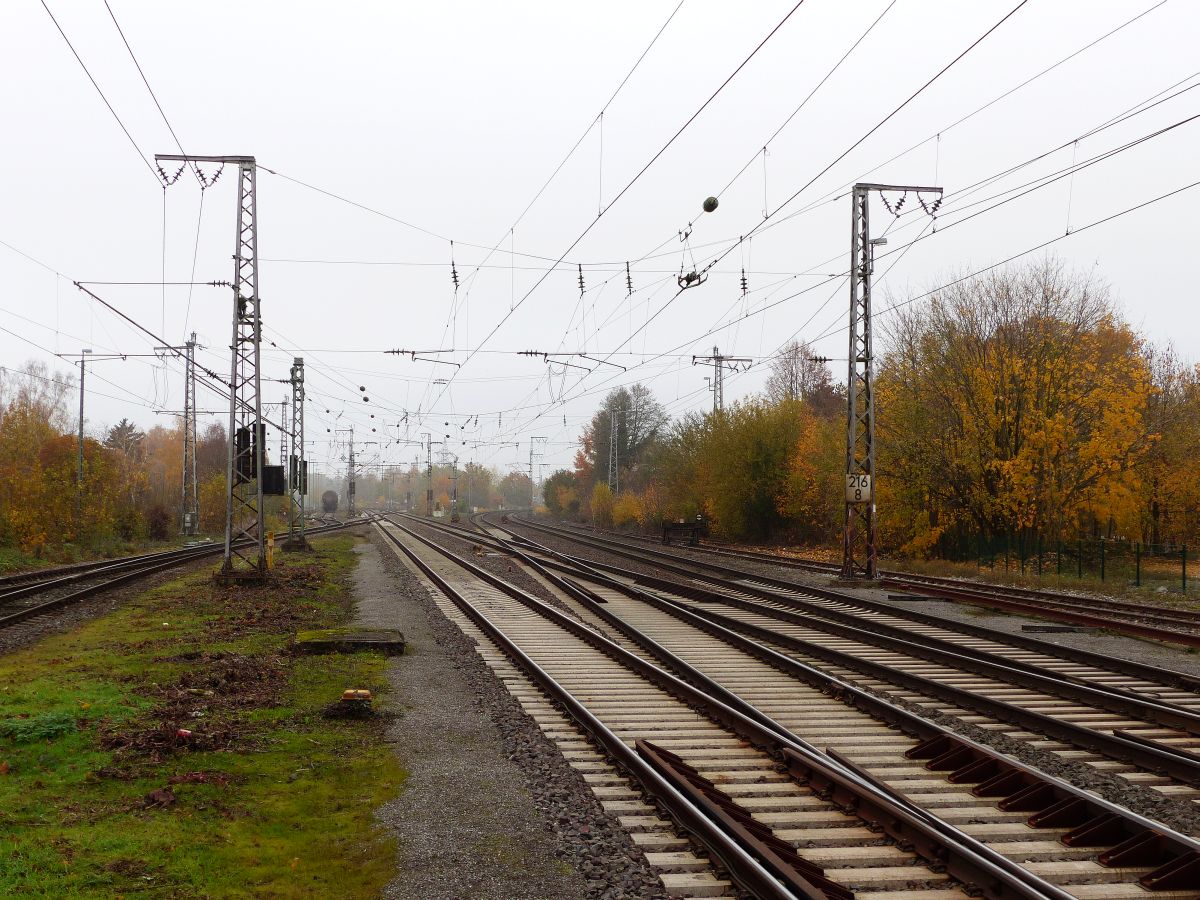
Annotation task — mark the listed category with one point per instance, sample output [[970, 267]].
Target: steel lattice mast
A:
[[245, 537], [190, 488], [720, 364], [297, 467], [859, 534]]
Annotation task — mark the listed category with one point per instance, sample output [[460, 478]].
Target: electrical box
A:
[[274, 481]]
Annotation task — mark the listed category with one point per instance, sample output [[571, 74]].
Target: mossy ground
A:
[[100, 797]]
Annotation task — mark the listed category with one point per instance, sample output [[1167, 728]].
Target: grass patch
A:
[[175, 748], [13, 559]]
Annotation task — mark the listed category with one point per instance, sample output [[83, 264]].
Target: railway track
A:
[[1120, 718], [1011, 830], [32, 595], [1179, 626]]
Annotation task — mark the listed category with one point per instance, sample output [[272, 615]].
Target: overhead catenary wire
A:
[[607, 382], [637, 177], [87, 72], [752, 231]]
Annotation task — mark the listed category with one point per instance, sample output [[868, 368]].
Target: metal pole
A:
[[1101, 559], [429, 472], [718, 381], [190, 488], [859, 537], [1183, 568], [298, 477], [1137, 565], [351, 511], [243, 485], [612, 449], [79, 473]]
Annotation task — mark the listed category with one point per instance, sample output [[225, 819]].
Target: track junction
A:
[[804, 740]]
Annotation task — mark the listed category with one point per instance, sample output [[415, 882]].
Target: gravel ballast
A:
[[1181, 815], [491, 809]]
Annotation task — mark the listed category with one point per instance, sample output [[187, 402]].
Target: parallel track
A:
[[24, 601], [1153, 621], [860, 731], [1141, 724]]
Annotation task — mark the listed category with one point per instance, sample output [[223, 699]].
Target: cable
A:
[[146, 82], [195, 253], [946, 68], [629, 185], [830, 331], [837, 195], [100, 92], [804, 102]]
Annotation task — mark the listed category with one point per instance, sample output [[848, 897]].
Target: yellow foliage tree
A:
[[626, 509], [602, 505], [1010, 405]]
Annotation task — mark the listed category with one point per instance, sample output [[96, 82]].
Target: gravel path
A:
[[491, 809]]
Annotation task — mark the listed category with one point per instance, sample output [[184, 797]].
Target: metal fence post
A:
[[1039, 555], [1079, 559], [1101, 559], [1137, 565], [1183, 567], [1058, 561]]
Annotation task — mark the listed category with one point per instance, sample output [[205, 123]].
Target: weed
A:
[[173, 748], [44, 727]]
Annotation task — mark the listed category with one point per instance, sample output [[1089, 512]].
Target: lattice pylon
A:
[[858, 551], [245, 551], [297, 472], [190, 513]]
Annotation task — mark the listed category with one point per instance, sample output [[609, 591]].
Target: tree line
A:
[[131, 485], [1019, 408]]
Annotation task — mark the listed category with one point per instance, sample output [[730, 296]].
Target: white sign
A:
[[858, 488]]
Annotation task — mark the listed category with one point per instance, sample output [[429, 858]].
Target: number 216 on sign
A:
[[858, 488]]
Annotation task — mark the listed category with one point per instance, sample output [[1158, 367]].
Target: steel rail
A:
[[1092, 821], [743, 868], [929, 648], [965, 857], [1158, 674], [1017, 599], [17, 578], [40, 609], [1142, 755]]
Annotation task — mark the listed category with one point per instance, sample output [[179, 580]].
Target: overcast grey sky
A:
[[450, 116]]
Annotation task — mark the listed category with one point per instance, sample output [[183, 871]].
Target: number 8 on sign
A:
[[858, 488]]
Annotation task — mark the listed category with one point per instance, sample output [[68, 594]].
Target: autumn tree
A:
[[640, 420], [797, 374], [516, 490], [1169, 495], [1010, 405], [125, 437], [477, 485], [561, 495]]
